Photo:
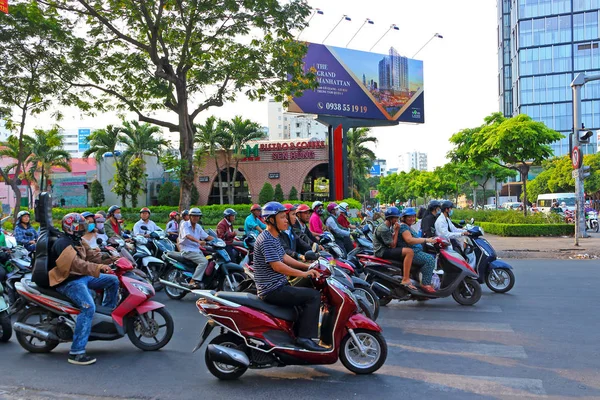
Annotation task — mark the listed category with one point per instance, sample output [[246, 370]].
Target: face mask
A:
[[91, 227], [451, 212], [320, 212], [100, 228], [118, 216]]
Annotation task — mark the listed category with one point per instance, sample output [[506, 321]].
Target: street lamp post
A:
[[317, 11], [344, 18], [367, 21], [393, 26], [435, 35]]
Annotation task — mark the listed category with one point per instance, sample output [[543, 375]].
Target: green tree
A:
[[47, 151], [136, 183], [31, 45], [195, 195], [97, 193], [360, 157], [278, 194], [210, 135], [515, 143], [267, 193], [168, 194], [187, 56], [239, 131], [293, 193], [11, 149]]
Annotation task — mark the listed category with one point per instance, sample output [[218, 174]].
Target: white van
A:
[[545, 201]]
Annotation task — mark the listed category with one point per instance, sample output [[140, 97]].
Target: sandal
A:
[[193, 285], [428, 289], [409, 286]]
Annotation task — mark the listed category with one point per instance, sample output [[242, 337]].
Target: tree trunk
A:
[[229, 184], [220, 180], [524, 173], [42, 179], [235, 172]]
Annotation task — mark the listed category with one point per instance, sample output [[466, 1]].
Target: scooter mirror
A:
[[144, 227], [99, 241], [311, 256], [472, 221], [462, 222]]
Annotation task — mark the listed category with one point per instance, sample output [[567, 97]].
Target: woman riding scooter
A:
[[410, 238]]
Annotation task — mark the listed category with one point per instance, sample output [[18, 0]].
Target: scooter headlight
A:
[[144, 289]]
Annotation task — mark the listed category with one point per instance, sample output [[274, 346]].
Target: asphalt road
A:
[[539, 341]]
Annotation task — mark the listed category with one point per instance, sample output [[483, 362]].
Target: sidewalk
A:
[[546, 247]]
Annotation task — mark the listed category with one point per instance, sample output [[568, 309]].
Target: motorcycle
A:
[[50, 317], [153, 267], [5, 326], [458, 278], [481, 256], [257, 335], [591, 221], [220, 274]]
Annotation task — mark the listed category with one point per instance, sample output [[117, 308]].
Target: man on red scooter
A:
[[77, 270], [271, 268]]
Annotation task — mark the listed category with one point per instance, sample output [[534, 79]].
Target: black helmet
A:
[[433, 204], [112, 209], [446, 205]]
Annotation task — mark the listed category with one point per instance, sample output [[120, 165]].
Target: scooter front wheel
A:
[[500, 280], [176, 276], [147, 334], [365, 357], [224, 371], [468, 292]]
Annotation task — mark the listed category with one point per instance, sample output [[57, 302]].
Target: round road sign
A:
[[576, 157]]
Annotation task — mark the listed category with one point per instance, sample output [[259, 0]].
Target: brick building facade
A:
[[290, 163]]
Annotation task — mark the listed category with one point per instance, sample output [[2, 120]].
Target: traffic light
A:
[[585, 171], [584, 136]]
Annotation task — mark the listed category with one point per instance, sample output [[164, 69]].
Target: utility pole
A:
[[577, 154]]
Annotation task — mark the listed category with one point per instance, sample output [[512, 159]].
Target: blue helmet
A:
[[229, 212], [409, 212], [272, 208], [86, 214], [392, 212]]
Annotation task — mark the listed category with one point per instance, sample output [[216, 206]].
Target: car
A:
[[489, 207]]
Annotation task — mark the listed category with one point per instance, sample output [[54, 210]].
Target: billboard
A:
[[360, 84], [83, 133], [375, 170]]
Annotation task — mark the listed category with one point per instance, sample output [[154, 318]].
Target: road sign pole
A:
[[579, 200]]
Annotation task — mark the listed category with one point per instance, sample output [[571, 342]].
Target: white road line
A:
[[413, 324], [460, 349], [428, 307]]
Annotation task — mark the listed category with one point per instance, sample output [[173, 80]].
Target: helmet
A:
[[256, 207], [173, 214], [195, 212], [74, 224], [87, 214], [447, 204], [20, 214], [102, 213], [185, 212], [392, 212], [433, 204], [332, 206], [229, 212], [409, 211], [290, 207], [145, 209], [99, 218], [317, 204], [344, 207], [272, 208], [302, 208], [112, 209]]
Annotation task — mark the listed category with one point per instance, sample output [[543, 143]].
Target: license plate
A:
[[205, 334]]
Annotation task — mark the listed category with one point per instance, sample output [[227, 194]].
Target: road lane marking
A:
[[460, 349], [428, 307], [414, 324]]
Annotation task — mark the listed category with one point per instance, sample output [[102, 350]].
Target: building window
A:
[[278, 126], [279, 117], [537, 8], [581, 5], [585, 26], [297, 134], [587, 56]]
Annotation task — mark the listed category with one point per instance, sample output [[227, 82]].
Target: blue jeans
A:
[[77, 291]]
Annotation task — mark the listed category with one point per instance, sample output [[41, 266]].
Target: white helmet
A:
[[195, 212], [317, 204]]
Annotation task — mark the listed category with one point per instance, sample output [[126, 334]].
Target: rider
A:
[[385, 244], [113, 228], [79, 270], [90, 236], [173, 226], [288, 238], [342, 219], [144, 221], [342, 236], [253, 222], [100, 220], [410, 238], [316, 224], [25, 234], [271, 265], [304, 235], [225, 231], [428, 222], [444, 226], [192, 236]]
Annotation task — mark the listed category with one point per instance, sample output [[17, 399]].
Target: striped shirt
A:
[[267, 249]]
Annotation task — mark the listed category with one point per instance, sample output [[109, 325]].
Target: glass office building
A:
[[542, 46]]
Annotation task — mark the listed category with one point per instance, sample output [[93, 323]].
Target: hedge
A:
[[507, 217], [527, 229]]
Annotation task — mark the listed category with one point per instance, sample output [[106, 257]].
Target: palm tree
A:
[[240, 131], [210, 135], [104, 141], [47, 152], [10, 149], [360, 157], [139, 140]]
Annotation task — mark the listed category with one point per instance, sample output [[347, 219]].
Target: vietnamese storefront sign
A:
[[273, 175], [359, 84], [301, 150], [204, 179]]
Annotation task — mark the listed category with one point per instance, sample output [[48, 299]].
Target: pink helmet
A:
[[331, 206]]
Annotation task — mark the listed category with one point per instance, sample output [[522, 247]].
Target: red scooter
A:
[[49, 318], [256, 334]]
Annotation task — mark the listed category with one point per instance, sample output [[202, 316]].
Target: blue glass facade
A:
[[542, 45]]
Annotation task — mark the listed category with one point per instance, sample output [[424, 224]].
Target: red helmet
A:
[[173, 214], [303, 208], [331, 206], [256, 207], [145, 209], [289, 207], [74, 224]]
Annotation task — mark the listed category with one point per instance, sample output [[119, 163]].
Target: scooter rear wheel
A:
[[174, 275], [375, 354], [5, 327], [40, 318], [462, 296], [223, 371]]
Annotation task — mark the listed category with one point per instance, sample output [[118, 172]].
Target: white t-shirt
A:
[[138, 225], [92, 241], [196, 232]]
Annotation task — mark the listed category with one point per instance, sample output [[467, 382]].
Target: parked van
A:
[[545, 201]]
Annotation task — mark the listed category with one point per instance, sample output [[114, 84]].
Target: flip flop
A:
[[428, 289], [410, 286]]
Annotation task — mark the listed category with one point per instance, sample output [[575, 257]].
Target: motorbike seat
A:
[[48, 292], [253, 301], [378, 260]]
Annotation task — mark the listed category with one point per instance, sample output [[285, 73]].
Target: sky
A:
[[460, 70]]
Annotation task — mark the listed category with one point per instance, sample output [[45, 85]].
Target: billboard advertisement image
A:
[[82, 134], [360, 84]]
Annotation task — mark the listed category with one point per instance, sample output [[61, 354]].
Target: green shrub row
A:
[[527, 229], [507, 217]]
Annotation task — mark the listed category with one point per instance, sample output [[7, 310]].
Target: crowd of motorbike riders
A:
[[284, 233]]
